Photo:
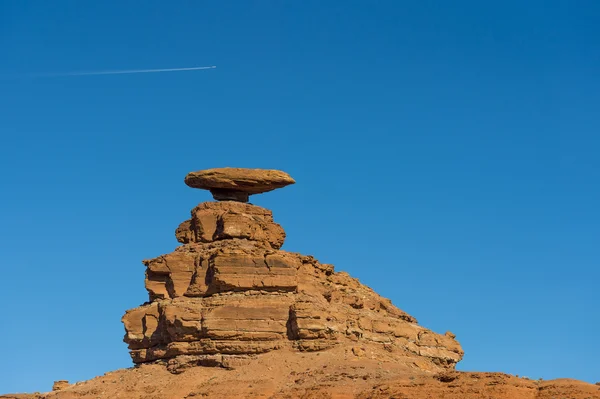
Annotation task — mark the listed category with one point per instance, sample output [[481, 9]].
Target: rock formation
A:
[[230, 293], [237, 184], [231, 315]]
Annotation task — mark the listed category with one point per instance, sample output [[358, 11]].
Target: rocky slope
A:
[[232, 315], [332, 374]]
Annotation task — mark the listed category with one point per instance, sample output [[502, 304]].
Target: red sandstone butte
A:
[[229, 314]]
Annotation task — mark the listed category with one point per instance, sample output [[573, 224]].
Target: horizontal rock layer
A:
[[215, 221], [229, 294], [251, 181], [204, 269]]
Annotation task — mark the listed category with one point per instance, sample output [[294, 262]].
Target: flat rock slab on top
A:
[[236, 184]]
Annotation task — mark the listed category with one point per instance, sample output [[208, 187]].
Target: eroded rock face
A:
[[290, 326], [229, 294], [236, 184], [214, 221]]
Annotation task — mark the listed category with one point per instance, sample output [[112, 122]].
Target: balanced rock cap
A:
[[236, 184]]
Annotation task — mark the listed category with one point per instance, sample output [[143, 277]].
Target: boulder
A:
[[236, 184]]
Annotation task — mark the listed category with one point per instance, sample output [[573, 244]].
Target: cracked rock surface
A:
[[232, 315], [236, 184], [229, 293]]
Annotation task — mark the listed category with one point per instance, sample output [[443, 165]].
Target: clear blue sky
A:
[[446, 153]]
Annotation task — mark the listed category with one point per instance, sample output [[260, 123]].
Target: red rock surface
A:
[[236, 184], [230, 293], [337, 373], [231, 315]]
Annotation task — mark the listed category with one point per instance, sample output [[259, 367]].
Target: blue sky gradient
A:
[[446, 154]]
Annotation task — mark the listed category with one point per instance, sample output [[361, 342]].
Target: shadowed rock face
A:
[[229, 293]]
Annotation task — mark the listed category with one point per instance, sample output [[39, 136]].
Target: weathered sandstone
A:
[[229, 293], [231, 315], [359, 372], [236, 184], [214, 221]]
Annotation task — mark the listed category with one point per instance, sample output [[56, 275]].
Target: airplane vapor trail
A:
[[122, 72]]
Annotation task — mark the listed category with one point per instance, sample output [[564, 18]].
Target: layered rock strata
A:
[[290, 326], [229, 293]]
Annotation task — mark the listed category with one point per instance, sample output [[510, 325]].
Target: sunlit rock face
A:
[[229, 294]]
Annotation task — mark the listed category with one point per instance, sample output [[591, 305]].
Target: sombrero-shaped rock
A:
[[236, 184]]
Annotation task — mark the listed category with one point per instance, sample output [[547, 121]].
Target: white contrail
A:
[[122, 72]]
